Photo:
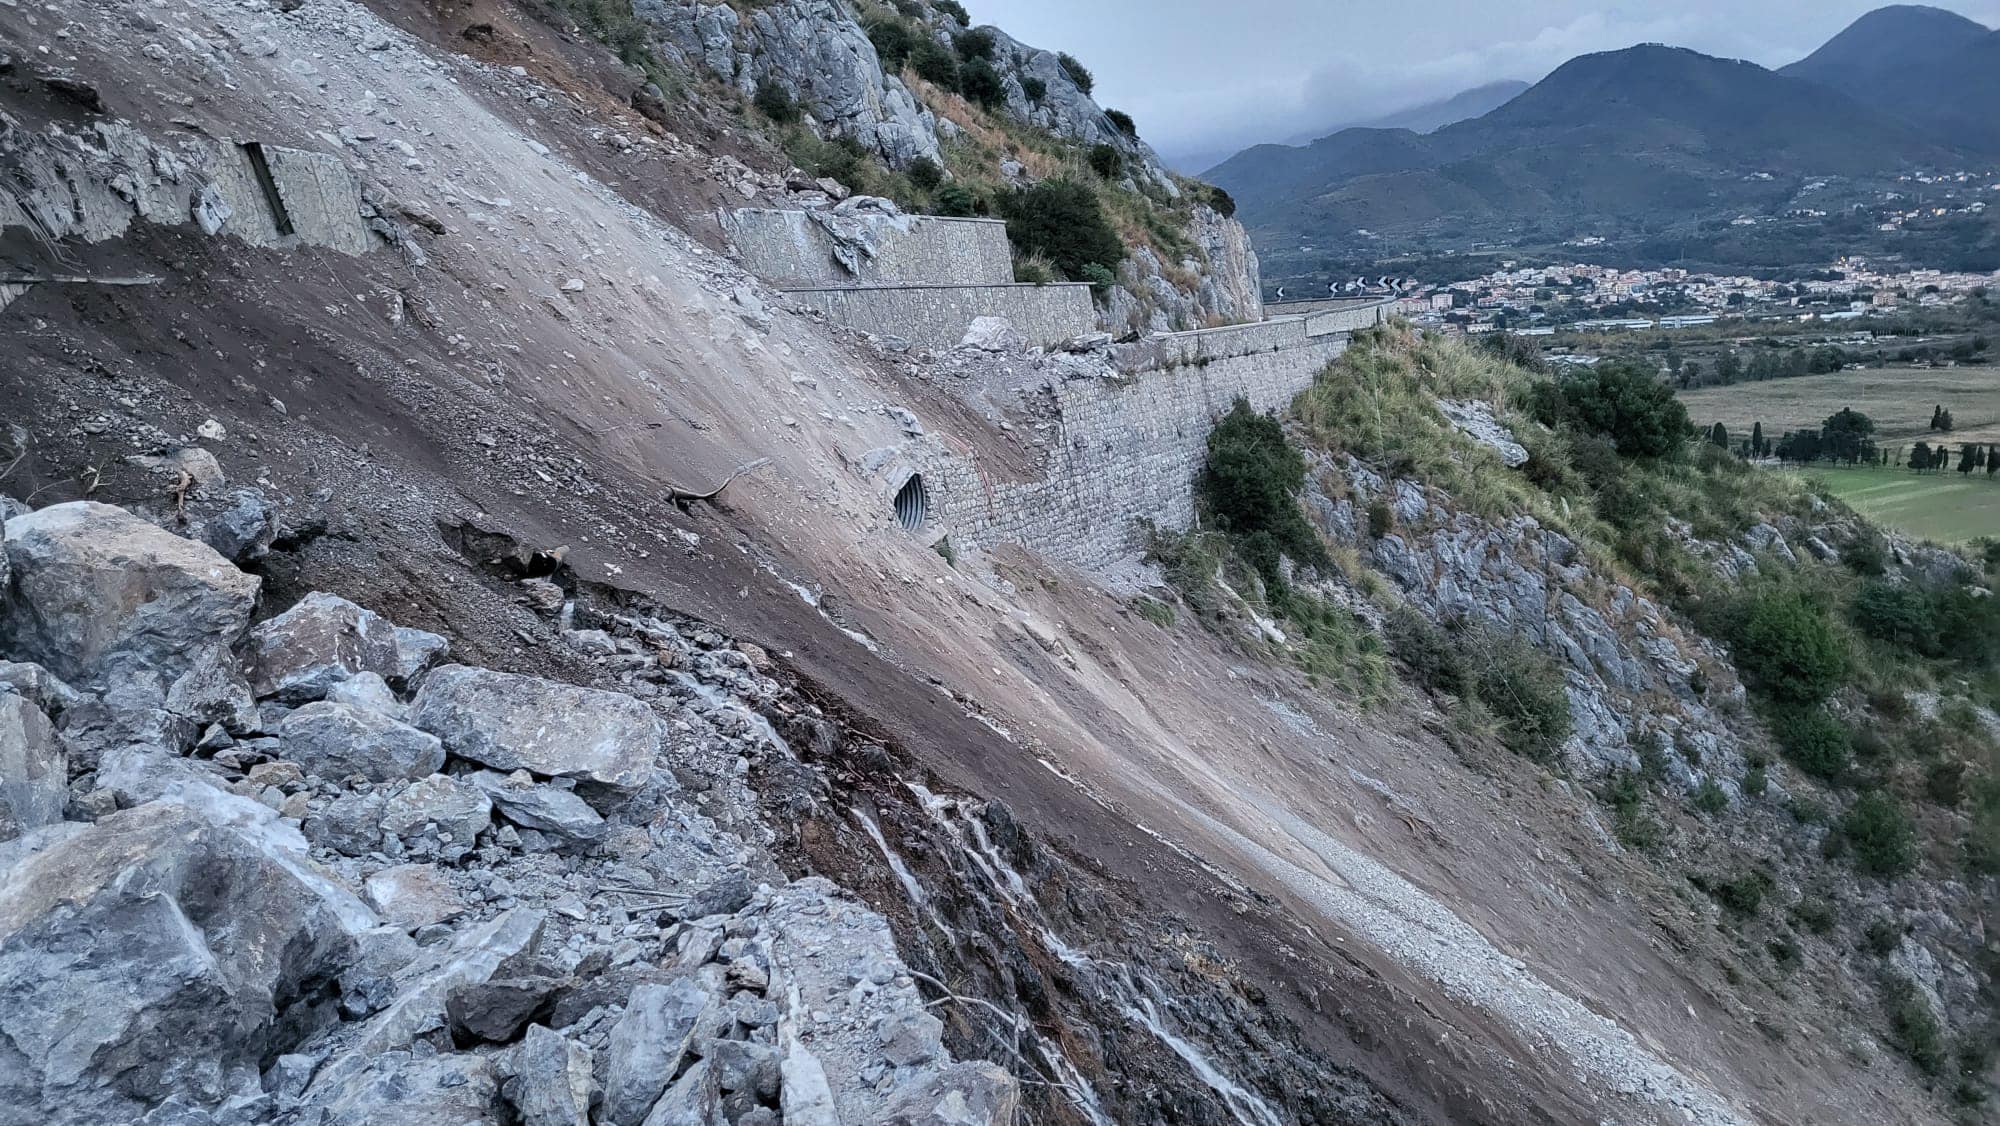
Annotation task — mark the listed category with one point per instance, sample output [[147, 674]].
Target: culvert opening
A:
[[260, 167], [913, 503]]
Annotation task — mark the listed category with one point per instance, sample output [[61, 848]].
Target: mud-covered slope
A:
[[1237, 898]]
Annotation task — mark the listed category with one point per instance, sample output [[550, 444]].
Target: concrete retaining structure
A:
[[1128, 452], [936, 317], [801, 249]]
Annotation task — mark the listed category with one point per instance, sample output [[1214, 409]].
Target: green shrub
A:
[[1034, 88], [1866, 554], [1122, 121], [893, 42], [1944, 783], [1062, 220], [925, 174], [954, 9], [1107, 161], [1815, 914], [1513, 681], [1742, 894], [955, 200], [1099, 276], [1785, 953], [1814, 741], [1756, 780], [974, 44], [1913, 1028], [1624, 402], [1709, 797], [1076, 71], [978, 81], [1381, 519], [1982, 836], [1881, 937], [1248, 486], [1223, 203], [1154, 611], [1879, 832], [933, 63], [1032, 271], [1786, 645], [776, 102], [1897, 614]]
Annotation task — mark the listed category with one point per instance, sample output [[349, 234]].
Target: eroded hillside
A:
[[1148, 873]]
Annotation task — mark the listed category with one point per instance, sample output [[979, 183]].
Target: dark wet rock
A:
[[34, 768], [324, 639], [340, 740]]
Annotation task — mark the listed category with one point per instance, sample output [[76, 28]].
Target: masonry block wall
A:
[[937, 316], [795, 249], [1126, 451]]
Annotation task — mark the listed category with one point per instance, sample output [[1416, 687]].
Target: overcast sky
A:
[[1206, 76]]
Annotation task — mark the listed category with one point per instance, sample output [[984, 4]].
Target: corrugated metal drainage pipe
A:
[[912, 503]]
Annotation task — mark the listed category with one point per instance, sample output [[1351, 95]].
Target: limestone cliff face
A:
[[1221, 286], [816, 51]]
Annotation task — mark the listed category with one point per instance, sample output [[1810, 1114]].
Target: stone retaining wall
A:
[[1127, 450], [936, 317], [791, 249]]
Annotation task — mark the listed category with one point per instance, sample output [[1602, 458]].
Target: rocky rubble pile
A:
[[303, 871]]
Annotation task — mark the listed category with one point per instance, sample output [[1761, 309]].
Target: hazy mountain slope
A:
[[1887, 46], [1463, 106]]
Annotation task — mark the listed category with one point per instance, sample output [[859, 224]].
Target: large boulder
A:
[[964, 1094], [512, 722], [409, 1089], [34, 770], [324, 639], [165, 952], [548, 1079], [337, 740], [541, 806], [647, 1044], [458, 809], [101, 597]]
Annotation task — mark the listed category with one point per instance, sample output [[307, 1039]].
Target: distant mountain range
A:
[[1428, 117], [1641, 137]]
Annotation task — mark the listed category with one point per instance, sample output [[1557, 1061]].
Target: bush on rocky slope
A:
[[1638, 573]]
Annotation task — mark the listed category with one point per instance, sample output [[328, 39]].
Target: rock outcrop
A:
[[313, 911], [815, 51]]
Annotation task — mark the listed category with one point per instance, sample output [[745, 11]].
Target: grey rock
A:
[[350, 824], [964, 1094], [693, 1100], [548, 1079], [1474, 418], [496, 1011], [741, 1065], [726, 895], [992, 334], [325, 639], [338, 740], [807, 1098], [34, 768], [477, 954], [103, 597], [452, 1089], [413, 895], [38, 685], [369, 692], [647, 1044], [244, 528], [368, 984], [911, 1038], [159, 952], [459, 809], [543, 595], [511, 722], [544, 807]]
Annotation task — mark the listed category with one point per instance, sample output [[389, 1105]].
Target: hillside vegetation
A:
[[1848, 785]]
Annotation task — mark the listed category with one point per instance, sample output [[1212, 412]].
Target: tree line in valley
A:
[[1847, 437]]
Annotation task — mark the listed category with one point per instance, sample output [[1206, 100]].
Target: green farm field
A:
[[1898, 399], [1945, 507]]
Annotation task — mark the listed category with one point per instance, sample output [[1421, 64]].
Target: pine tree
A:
[[1920, 457], [1757, 439], [1937, 415], [1719, 434], [1944, 423], [1968, 456]]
